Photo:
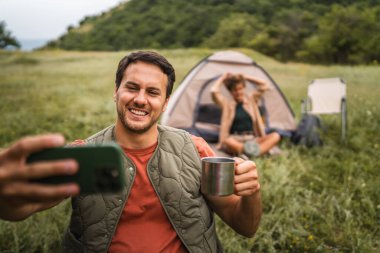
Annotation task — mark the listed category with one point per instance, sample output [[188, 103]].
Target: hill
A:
[[339, 31]]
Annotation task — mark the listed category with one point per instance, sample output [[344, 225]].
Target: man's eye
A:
[[154, 92], [133, 88]]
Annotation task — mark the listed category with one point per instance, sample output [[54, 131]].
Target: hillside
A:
[[340, 31]]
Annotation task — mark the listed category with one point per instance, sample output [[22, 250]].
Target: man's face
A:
[[141, 96], [238, 92]]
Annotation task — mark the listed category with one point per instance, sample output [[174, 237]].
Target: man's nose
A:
[[140, 98]]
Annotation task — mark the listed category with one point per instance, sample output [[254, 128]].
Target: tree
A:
[[236, 30], [284, 35], [6, 38], [346, 35]]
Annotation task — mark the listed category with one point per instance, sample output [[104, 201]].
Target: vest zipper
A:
[[159, 197], [164, 207], [125, 200]]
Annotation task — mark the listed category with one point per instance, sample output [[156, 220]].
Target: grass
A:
[[315, 200]]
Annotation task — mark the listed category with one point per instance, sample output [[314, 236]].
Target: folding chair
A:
[[327, 96]]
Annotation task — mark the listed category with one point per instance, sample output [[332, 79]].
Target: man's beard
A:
[[130, 127]]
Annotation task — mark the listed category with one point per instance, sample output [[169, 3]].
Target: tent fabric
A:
[[326, 95], [191, 105]]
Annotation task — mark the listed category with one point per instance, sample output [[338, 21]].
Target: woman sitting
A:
[[242, 129]]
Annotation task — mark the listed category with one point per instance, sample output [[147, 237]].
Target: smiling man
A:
[[141, 97], [161, 208]]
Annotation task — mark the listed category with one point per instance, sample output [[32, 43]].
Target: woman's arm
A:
[[261, 87], [261, 84], [216, 94]]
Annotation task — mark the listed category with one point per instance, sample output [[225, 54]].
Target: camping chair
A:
[[327, 96]]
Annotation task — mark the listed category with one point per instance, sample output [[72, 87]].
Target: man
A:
[[161, 208], [242, 129]]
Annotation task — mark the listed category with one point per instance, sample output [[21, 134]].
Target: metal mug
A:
[[218, 176]]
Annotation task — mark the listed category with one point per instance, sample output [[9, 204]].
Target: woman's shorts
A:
[[250, 146]]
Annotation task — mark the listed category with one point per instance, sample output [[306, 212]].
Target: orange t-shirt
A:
[[143, 225]]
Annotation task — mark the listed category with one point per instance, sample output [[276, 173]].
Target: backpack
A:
[[307, 132]]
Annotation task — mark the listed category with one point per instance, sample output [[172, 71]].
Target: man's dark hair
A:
[[147, 57], [232, 81]]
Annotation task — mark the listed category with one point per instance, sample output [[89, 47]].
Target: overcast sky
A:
[[48, 19]]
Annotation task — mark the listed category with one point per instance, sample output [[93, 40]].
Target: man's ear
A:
[[166, 104], [114, 94]]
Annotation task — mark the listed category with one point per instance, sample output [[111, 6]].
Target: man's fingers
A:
[[243, 166], [45, 169], [247, 188], [248, 192], [238, 160], [248, 177], [39, 170], [31, 144], [33, 192]]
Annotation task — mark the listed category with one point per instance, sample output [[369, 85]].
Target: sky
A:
[[48, 19]]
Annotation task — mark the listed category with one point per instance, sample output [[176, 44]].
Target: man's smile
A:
[[138, 112]]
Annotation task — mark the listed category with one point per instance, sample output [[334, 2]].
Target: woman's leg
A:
[[268, 141], [233, 146], [265, 143]]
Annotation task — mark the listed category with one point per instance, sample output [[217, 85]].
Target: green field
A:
[[315, 200]]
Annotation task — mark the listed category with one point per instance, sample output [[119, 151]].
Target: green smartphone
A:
[[101, 167]]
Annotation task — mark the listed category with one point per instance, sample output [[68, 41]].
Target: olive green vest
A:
[[174, 171]]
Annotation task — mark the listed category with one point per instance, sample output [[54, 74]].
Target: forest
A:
[[324, 32]]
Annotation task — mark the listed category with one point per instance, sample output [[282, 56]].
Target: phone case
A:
[[101, 167]]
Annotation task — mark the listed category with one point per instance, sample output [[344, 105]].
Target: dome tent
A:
[[191, 107]]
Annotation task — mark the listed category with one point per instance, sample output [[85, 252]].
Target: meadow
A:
[[324, 199]]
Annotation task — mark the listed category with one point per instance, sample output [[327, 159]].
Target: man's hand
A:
[[242, 210], [246, 177], [20, 198]]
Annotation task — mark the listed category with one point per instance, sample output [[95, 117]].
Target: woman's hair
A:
[[233, 80]]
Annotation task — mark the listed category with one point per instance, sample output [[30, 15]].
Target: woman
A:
[[242, 129]]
